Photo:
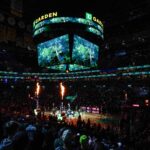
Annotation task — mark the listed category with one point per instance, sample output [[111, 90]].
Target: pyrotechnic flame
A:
[[62, 90], [37, 88]]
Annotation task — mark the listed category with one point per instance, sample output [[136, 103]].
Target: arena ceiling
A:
[[105, 9], [125, 21]]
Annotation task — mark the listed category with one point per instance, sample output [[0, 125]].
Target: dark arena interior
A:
[[74, 75]]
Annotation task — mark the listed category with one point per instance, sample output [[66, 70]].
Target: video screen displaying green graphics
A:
[[67, 41], [91, 24], [84, 53], [54, 52]]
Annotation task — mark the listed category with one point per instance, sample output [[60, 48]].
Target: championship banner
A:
[[16, 7], [71, 98]]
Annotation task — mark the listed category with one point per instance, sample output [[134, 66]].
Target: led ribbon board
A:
[[92, 24]]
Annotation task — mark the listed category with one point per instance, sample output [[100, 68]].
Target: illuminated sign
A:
[[67, 19], [46, 16], [92, 24], [98, 21], [89, 16]]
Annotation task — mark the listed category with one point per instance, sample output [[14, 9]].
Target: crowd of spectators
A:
[[26, 131], [22, 130]]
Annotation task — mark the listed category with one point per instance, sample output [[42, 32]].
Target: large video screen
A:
[[84, 53], [54, 52]]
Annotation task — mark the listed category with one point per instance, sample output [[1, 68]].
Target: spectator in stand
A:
[[16, 138], [68, 141], [84, 142]]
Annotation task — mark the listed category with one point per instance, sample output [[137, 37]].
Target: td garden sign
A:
[[46, 16], [91, 17], [88, 16]]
